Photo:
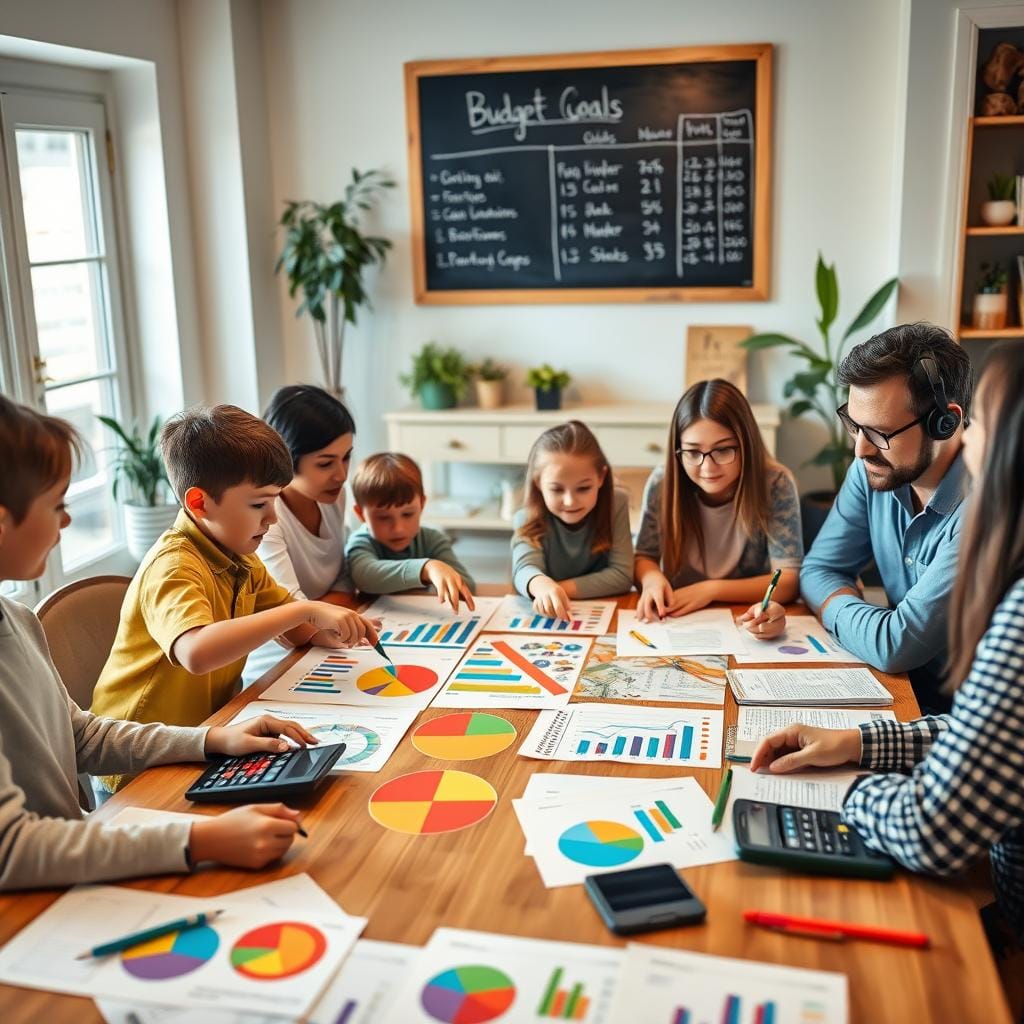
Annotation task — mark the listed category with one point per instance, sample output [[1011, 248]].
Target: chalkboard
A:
[[617, 177]]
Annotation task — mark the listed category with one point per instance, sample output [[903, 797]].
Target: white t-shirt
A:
[[307, 566]]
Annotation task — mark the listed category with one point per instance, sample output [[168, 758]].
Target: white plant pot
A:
[[998, 213], [989, 311], [143, 525]]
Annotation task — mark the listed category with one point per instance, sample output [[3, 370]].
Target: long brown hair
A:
[[992, 542], [724, 403], [572, 438]]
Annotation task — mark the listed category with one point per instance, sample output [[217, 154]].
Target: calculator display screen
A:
[[305, 760], [642, 887]]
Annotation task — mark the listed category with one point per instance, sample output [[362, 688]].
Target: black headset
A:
[[941, 421]]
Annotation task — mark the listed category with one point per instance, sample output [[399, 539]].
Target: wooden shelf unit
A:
[[1005, 332]]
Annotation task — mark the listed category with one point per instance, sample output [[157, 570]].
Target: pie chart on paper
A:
[[464, 736], [279, 950], [171, 955], [425, 803], [468, 995], [403, 681], [600, 844]]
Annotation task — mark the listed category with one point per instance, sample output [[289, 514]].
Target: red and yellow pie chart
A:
[[279, 950], [400, 681], [464, 736], [425, 803]]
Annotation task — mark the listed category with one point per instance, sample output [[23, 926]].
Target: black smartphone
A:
[[643, 899]]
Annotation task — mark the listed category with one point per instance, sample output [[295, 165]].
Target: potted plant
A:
[[547, 384], [815, 388], [489, 379], [325, 256], [439, 376], [1001, 208], [990, 303], [138, 465]]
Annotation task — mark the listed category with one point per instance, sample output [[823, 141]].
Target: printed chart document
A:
[[757, 722], [516, 671], [709, 631], [360, 676], [253, 958], [414, 620], [677, 737], [808, 687], [805, 640], [694, 680], [579, 836], [477, 976], [516, 614], [675, 987], [370, 735]]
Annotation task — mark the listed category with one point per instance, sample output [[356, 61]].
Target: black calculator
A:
[[818, 842], [253, 778]]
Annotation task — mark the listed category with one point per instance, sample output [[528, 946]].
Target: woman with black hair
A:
[[305, 549]]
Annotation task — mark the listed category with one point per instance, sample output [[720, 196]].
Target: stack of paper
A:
[[808, 687]]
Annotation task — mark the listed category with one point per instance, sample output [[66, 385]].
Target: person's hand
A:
[[245, 837], [263, 733], [764, 625], [806, 746], [691, 598], [450, 586], [655, 597], [339, 627], [549, 598]]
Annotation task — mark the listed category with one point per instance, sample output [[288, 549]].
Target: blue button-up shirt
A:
[[916, 556]]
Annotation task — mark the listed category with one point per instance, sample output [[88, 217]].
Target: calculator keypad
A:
[[249, 769], [815, 832]]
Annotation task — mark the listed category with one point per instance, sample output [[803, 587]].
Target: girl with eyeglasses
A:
[[719, 518]]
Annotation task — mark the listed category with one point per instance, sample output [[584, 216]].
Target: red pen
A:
[[836, 930]]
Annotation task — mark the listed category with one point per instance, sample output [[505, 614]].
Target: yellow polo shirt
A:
[[186, 580]]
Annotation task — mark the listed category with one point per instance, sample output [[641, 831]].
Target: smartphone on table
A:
[[644, 899]]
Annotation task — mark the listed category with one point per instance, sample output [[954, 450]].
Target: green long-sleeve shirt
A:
[[376, 569]]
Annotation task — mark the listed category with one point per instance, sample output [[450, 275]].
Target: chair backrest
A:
[[80, 622]]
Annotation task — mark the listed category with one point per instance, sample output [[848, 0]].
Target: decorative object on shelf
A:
[[1003, 65], [716, 352], [1001, 208], [439, 376], [325, 256], [991, 299], [489, 380], [138, 465], [817, 387], [548, 384]]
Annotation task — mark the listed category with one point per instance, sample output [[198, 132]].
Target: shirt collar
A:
[[947, 496], [219, 559]]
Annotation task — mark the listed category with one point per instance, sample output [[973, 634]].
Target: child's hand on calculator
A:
[[806, 746], [258, 734]]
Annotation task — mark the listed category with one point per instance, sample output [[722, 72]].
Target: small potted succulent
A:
[[1001, 208], [439, 376], [548, 384], [989, 310], [489, 379]]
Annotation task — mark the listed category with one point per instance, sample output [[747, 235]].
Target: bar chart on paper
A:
[[563, 1002], [516, 615], [415, 621], [327, 675]]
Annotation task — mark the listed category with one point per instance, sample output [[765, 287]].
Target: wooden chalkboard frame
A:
[[758, 291]]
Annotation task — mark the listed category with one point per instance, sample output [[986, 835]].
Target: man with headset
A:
[[901, 504]]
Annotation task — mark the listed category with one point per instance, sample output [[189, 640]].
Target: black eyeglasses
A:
[[695, 458], [875, 437]]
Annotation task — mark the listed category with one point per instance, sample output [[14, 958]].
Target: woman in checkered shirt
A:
[[950, 788]]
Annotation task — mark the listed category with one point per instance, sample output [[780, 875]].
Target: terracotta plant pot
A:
[[490, 394], [989, 311], [998, 213]]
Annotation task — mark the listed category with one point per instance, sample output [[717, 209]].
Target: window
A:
[[61, 281]]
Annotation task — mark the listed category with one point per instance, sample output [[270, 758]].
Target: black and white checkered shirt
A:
[[961, 788]]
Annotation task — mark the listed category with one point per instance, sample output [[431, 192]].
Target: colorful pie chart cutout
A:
[[402, 681], [600, 844], [279, 950], [425, 803], [171, 955], [468, 995], [464, 736]]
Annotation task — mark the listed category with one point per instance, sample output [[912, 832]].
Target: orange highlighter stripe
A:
[[531, 670]]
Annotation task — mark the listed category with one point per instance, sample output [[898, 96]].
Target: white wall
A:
[[335, 88]]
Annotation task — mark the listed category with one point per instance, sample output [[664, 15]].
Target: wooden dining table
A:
[[479, 878]]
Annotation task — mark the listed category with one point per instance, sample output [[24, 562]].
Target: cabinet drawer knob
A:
[[655, 448], [455, 443]]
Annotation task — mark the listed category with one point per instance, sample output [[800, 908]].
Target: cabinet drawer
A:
[[634, 446], [455, 442]]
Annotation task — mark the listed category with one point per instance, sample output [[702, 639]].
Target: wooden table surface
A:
[[480, 879]]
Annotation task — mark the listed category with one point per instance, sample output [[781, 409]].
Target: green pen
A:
[[720, 801], [772, 584], [135, 939]]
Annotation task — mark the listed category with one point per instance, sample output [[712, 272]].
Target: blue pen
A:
[[127, 941]]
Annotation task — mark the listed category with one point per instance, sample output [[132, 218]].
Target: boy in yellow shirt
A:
[[201, 600]]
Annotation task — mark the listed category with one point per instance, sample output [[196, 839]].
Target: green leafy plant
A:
[[1002, 187], [138, 463], [433, 364], [488, 370], [816, 389], [325, 257], [547, 378], [994, 279]]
